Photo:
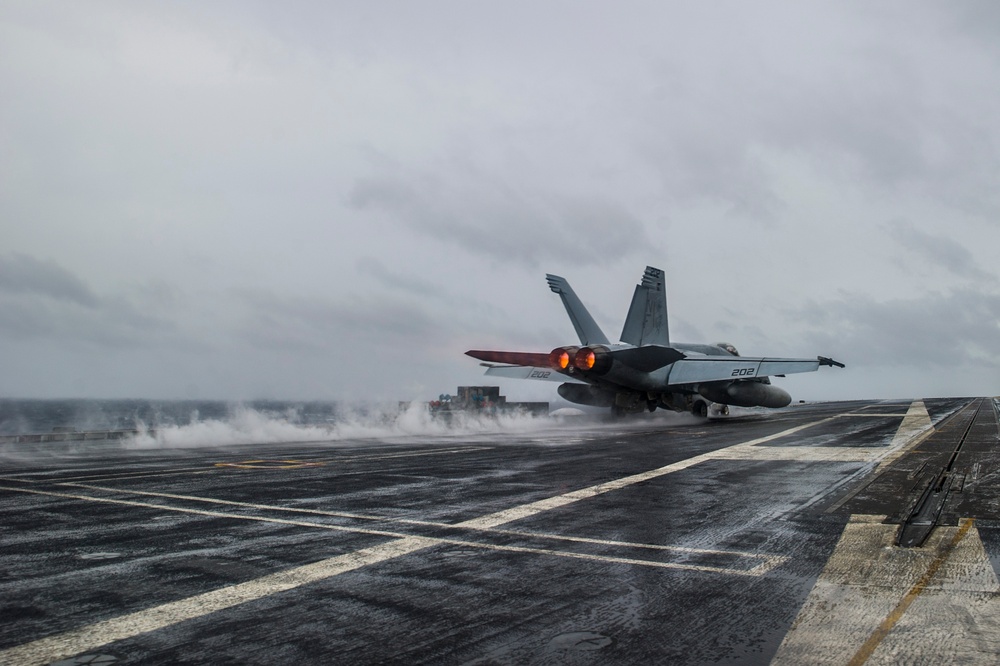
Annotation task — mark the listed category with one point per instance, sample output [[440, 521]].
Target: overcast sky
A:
[[335, 200]]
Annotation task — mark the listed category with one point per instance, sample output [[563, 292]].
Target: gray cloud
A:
[[23, 274], [935, 331], [505, 223], [938, 250], [110, 324], [390, 279], [40, 300], [282, 322], [337, 199], [878, 107]]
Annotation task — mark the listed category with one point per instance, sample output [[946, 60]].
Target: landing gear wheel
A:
[[719, 409], [700, 409]]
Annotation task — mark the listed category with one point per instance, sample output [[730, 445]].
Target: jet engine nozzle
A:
[[594, 359], [561, 358]]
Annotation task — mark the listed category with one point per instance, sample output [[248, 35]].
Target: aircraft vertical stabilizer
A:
[[588, 330], [646, 323]]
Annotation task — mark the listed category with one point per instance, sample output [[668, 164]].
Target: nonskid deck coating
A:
[[660, 540]]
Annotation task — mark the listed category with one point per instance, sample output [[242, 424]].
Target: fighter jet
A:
[[646, 371]]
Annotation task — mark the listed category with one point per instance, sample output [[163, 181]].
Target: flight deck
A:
[[862, 532]]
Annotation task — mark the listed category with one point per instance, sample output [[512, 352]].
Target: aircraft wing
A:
[[527, 372], [694, 370]]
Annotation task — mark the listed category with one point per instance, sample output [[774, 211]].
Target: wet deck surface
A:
[[762, 539]]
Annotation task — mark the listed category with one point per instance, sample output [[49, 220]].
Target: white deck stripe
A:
[[205, 512], [873, 415], [409, 521], [526, 510], [768, 561], [954, 617], [250, 505], [90, 637], [914, 429], [87, 638]]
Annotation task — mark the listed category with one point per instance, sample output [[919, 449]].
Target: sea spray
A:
[[245, 425]]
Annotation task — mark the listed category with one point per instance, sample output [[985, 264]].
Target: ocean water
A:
[[19, 416], [194, 423]]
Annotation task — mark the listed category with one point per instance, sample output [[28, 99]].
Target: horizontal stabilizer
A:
[[521, 372], [510, 358], [648, 358]]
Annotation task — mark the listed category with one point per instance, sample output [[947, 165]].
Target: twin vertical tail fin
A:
[[588, 330], [646, 323]]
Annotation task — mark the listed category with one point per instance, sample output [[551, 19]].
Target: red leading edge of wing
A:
[[528, 359]]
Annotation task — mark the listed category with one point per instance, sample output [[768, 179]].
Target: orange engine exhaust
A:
[[592, 359], [561, 358]]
